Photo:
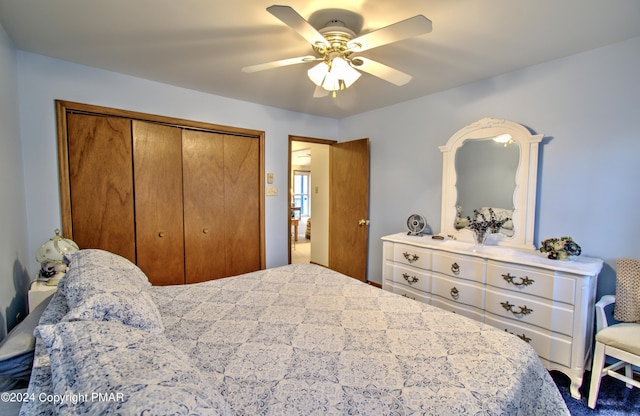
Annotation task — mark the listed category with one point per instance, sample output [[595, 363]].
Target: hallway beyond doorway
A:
[[301, 249]]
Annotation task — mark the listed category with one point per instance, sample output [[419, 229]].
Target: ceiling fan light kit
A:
[[333, 75], [336, 43]]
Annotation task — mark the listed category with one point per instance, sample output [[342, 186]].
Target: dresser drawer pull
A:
[[410, 279], [455, 268], [410, 257], [522, 337], [407, 296], [455, 293], [524, 281], [523, 310]]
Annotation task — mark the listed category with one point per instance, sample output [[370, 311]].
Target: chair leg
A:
[[628, 371], [596, 374]]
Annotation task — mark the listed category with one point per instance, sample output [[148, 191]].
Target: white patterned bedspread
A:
[[304, 340]]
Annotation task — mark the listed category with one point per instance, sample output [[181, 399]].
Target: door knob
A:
[[363, 222]]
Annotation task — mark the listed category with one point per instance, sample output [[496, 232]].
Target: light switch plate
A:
[[272, 190]]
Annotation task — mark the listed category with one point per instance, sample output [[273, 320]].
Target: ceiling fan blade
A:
[[320, 92], [278, 64], [414, 26], [291, 18], [381, 71]]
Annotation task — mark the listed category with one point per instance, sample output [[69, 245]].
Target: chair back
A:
[[627, 307]]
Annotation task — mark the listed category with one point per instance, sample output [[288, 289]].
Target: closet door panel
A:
[[204, 220], [101, 183], [242, 204], [158, 200]]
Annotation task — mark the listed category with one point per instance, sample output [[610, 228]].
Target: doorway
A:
[[301, 206], [309, 200], [338, 196]]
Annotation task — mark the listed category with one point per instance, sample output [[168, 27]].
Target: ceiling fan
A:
[[337, 48]]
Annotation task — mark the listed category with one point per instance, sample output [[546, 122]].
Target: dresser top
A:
[[577, 264]]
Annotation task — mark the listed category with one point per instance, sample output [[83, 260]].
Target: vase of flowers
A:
[[482, 226], [480, 236], [560, 248]]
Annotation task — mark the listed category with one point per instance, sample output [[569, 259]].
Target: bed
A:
[[298, 339]]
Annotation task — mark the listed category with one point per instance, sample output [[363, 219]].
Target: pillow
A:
[[56, 309], [17, 350], [102, 286], [133, 309], [94, 271], [109, 368], [21, 340]]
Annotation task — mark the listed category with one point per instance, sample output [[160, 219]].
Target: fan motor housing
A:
[[337, 36]]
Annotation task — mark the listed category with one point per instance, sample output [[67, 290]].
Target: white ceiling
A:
[[203, 44]]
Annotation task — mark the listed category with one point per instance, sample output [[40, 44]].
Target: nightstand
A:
[[38, 292]]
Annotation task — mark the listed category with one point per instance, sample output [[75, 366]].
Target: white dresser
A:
[[547, 303]]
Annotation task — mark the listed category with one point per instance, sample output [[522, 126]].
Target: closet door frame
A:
[[65, 107]]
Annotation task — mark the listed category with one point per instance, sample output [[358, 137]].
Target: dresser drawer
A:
[[408, 292], [412, 256], [532, 281], [464, 267], [549, 346], [408, 276], [528, 309], [458, 291], [464, 310]]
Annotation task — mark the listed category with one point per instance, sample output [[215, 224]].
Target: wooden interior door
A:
[[349, 208], [242, 185], [157, 161], [100, 183], [204, 218]]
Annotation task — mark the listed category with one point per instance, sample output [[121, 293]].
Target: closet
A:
[[183, 200]]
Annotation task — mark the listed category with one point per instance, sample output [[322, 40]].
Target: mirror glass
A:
[[486, 178]]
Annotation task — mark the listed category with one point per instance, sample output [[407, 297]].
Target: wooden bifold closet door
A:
[[157, 162], [221, 193], [100, 184], [204, 219], [184, 204]]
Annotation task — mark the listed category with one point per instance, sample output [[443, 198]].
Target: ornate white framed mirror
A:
[[491, 163]]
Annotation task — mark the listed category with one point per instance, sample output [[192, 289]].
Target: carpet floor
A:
[[614, 398]]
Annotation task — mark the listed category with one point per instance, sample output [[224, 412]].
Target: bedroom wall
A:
[[43, 80], [586, 105], [14, 255]]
